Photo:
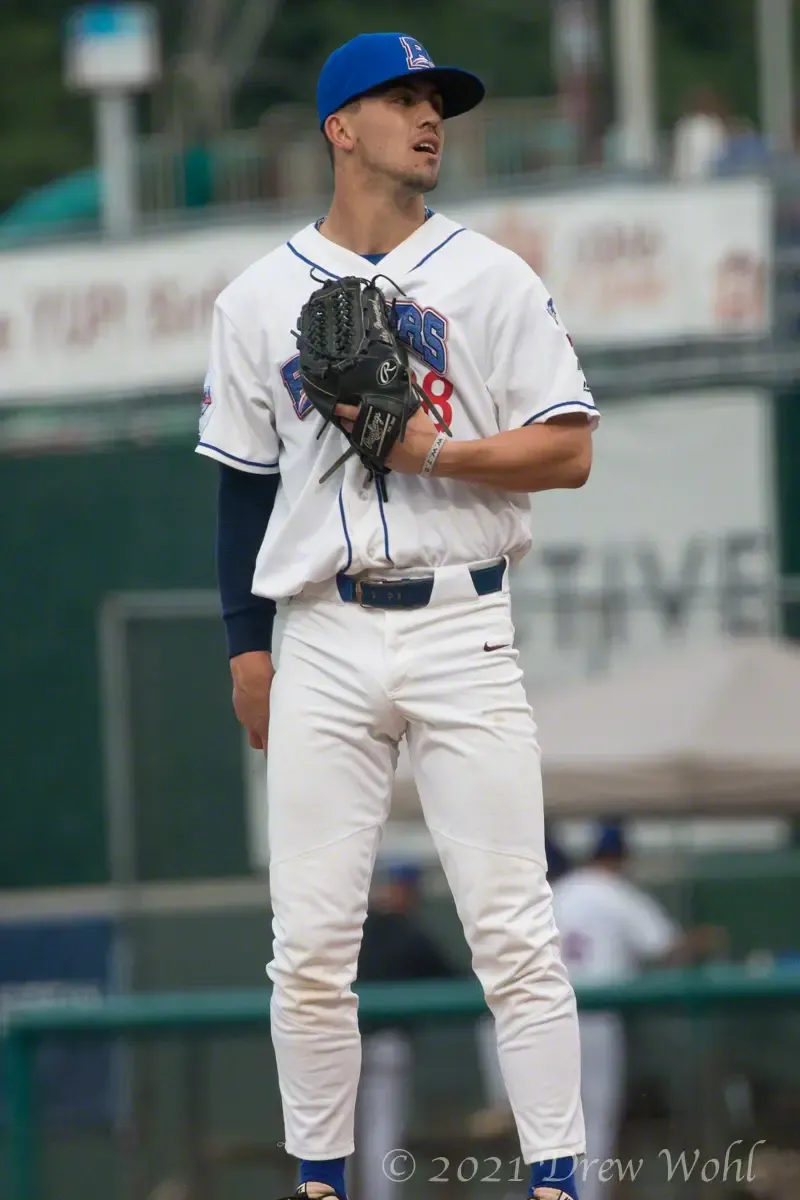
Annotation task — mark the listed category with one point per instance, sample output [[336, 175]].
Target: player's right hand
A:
[[252, 675]]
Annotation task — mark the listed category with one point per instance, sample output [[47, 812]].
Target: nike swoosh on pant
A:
[[500, 646]]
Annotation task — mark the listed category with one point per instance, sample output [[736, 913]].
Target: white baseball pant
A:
[[350, 682]]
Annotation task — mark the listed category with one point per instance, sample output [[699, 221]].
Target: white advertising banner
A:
[[92, 322], [669, 545], [629, 265], [624, 264]]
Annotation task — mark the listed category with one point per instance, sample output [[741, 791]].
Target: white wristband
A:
[[433, 454]]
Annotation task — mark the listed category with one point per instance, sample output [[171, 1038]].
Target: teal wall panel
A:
[[77, 527]]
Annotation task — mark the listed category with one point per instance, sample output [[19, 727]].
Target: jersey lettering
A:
[[424, 331], [290, 374]]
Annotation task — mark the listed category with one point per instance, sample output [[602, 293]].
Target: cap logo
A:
[[417, 56]]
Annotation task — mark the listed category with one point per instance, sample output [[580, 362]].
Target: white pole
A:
[[775, 72], [634, 81], [116, 157]]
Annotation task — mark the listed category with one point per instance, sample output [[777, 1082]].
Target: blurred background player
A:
[[610, 930], [700, 137], [395, 949]]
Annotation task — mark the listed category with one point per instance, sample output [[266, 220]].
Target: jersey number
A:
[[438, 392]]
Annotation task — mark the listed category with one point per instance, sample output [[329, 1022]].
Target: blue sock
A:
[[555, 1173], [325, 1170]]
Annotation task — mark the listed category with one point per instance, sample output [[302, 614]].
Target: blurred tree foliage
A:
[[707, 42], [45, 133]]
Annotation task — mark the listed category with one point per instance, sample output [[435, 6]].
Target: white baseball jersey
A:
[[608, 926], [485, 344]]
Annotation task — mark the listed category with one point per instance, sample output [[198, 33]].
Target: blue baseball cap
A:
[[611, 839], [557, 861], [374, 59], [403, 872]]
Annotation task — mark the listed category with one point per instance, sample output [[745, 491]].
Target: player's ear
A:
[[339, 132]]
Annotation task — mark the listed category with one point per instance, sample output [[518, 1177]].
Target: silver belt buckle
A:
[[359, 590], [359, 593]]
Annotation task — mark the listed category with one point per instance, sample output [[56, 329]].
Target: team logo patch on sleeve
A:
[[551, 308], [290, 374], [417, 56], [207, 402]]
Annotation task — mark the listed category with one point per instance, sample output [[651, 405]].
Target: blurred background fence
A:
[[132, 845]]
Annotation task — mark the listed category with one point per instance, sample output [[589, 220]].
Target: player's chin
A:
[[422, 178]]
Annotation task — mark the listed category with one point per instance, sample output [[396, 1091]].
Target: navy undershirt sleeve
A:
[[244, 506]]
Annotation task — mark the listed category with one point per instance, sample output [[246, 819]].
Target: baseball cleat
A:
[[313, 1191]]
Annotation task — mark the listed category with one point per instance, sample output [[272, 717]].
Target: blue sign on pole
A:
[[110, 20], [62, 962]]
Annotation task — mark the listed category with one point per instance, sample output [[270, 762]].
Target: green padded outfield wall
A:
[[78, 526]]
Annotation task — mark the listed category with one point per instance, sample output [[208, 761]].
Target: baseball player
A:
[[394, 601]]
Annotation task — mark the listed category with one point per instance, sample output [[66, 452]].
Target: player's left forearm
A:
[[536, 458]]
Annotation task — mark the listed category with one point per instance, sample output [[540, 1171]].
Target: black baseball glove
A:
[[350, 354]]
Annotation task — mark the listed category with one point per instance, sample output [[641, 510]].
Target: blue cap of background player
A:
[[374, 59], [558, 863], [408, 873], [611, 840]]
